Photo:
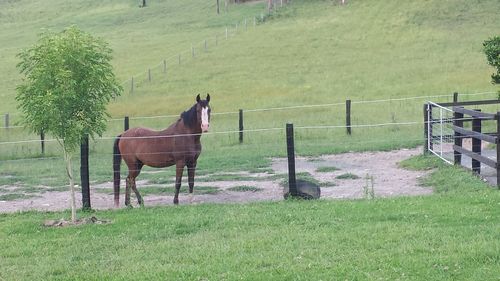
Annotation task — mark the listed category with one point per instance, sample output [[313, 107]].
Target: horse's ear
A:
[[208, 97], [198, 98]]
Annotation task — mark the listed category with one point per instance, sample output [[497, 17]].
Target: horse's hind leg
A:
[[127, 190], [134, 187], [133, 172]]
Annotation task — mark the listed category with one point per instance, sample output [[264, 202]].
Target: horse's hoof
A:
[[130, 206]]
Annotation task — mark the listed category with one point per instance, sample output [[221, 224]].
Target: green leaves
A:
[[492, 51], [68, 82]]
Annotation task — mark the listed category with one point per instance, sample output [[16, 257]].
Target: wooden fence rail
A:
[[475, 133], [456, 122]]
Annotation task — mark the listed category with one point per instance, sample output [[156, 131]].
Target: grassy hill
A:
[[310, 52]]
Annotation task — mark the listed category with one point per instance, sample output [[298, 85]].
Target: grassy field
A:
[[311, 52], [308, 53], [451, 235]]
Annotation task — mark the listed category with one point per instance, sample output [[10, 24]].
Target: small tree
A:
[[68, 82], [492, 51]]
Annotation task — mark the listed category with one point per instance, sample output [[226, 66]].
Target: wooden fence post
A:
[[290, 148], [498, 148], [179, 59], [149, 74], [132, 85], [126, 123], [457, 121], [205, 45], [431, 144], [84, 172], [348, 116], [476, 143], [164, 66], [241, 125], [455, 97], [192, 50], [6, 120], [426, 127]]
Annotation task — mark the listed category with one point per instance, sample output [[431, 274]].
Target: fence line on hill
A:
[[200, 46], [292, 107], [230, 31]]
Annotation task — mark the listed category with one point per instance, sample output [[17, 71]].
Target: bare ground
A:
[[388, 180]]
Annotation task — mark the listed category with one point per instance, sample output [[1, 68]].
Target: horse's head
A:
[[203, 112]]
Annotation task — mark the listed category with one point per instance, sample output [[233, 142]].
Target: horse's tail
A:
[[117, 159]]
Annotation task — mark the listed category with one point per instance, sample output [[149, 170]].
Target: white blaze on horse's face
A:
[[204, 119]]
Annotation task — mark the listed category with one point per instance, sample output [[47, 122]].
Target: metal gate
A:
[[440, 134]]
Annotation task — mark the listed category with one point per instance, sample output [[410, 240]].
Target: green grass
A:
[[422, 162], [244, 188], [327, 169], [347, 176], [380, 49], [451, 235], [311, 52]]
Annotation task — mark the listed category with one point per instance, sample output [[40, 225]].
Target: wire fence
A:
[[12, 148], [228, 164], [166, 65], [291, 107]]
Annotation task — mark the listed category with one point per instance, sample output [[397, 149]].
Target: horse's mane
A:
[[190, 116]]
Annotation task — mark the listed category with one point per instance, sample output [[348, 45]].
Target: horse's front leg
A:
[[191, 171], [179, 168]]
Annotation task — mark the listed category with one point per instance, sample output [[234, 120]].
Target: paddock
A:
[[389, 180]]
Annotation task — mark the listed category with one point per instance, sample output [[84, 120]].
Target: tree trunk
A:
[[218, 7], [69, 171]]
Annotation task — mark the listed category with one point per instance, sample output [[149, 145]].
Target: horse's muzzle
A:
[[204, 128]]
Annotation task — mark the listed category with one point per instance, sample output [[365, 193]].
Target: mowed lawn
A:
[[451, 235]]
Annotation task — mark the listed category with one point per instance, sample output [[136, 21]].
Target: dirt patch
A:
[[388, 180]]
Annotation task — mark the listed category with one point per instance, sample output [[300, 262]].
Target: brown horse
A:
[[177, 145]]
